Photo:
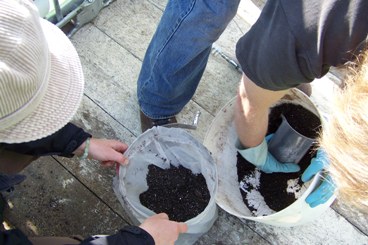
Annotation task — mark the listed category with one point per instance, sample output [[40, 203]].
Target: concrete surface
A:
[[67, 196]]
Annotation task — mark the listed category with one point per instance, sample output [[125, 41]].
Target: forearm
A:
[[251, 111], [251, 125]]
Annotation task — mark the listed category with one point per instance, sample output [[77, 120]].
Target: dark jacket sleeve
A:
[[294, 42], [130, 235], [13, 237], [62, 143]]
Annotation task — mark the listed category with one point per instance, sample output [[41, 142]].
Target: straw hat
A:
[[41, 78]]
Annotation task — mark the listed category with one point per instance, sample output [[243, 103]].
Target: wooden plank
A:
[[51, 202], [130, 23], [351, 214], [229, 230], [110, 73], [331, 228]]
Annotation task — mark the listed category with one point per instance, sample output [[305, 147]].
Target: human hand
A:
[[327, 188], [108, 152], [163, 231], [263, 160]]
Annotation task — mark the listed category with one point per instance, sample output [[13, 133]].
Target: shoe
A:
[[147, 123], [8, 181]]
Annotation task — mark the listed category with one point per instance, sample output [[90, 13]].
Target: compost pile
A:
[[175, 191], [278, 190]]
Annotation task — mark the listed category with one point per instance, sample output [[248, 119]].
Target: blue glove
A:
[[263, 160], [326, 189]]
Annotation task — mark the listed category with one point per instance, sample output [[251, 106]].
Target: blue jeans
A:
[[178, 53]]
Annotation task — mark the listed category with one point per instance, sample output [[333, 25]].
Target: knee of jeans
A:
[[226, 10], [219, 14]]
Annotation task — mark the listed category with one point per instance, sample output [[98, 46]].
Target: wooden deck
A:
[[66, 196]]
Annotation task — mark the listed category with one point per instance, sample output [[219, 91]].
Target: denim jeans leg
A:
[[178, 53]]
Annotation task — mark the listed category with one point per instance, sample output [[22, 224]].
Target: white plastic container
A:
[[220, 141], [178, 148], [287, 144]]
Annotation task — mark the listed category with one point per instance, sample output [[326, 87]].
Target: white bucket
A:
[[220, 141], [178, 148]]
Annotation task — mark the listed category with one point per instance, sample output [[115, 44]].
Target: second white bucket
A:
[[220, 141], [164, 147]]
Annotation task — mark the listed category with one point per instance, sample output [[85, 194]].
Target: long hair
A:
[[345, 137]]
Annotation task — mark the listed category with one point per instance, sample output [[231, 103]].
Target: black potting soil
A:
[[175, 191], [273, 186]]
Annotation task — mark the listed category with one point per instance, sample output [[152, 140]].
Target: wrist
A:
[[239, 145], [84, 149], [256, 155]]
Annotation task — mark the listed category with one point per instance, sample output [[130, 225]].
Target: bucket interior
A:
[[220, 140]]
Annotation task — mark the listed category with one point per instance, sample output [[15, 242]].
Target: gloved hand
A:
[[327, 188], [263, 160]]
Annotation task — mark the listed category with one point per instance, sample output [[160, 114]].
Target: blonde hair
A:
[[345, 137]]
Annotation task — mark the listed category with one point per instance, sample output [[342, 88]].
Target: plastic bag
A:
[[178, 148]]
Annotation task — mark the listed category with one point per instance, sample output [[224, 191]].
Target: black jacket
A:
[[130, 235]]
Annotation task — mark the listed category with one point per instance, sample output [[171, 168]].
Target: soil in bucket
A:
[[263, 193], [175, 191]]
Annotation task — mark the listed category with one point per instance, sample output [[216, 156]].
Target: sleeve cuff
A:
[[256, 155]]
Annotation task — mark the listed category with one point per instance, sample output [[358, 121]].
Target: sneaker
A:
[[147, 123], [8, 181]]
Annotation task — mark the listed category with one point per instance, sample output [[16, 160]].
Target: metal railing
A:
[[70, 15]]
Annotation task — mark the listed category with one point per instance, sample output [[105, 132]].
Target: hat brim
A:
[[63, 96]]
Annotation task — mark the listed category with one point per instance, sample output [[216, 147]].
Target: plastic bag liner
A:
[[164, 146]]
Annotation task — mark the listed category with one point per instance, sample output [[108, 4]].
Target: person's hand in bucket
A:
[[327, 188], [260, 157]]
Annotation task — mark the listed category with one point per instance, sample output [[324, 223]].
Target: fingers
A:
[[317, 164], [108, 151], [314, 198], [182, 227], [274, 166], [321, 154], [161, 216], [322, 194], [313, 168], [121, 159], [108, 163], [119, 146], [289, 167], [111, 157], [268, 137]]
